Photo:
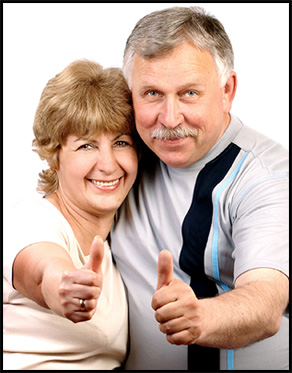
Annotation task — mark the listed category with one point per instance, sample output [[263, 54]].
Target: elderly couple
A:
[[195, 256]]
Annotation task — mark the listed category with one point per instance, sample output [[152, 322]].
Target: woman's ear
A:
[[229, 91]]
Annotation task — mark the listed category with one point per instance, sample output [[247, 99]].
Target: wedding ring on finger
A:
[[82, 305]]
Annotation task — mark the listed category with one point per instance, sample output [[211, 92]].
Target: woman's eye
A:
[[85, 147], [121, 144]]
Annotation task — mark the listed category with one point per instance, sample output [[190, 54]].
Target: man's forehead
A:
[[186, 53], [188, 65]]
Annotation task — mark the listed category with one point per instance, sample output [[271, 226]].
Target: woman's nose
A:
[[106, 161]]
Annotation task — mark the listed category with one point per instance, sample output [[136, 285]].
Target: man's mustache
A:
[[176, 133]]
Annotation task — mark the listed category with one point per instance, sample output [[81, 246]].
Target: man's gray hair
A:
[[158, 33]]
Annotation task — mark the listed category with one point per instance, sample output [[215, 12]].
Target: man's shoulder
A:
[[251, 140]]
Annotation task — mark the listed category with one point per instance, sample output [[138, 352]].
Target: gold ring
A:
[[82, 305]]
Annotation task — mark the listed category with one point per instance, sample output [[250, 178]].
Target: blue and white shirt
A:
[[219, 217]]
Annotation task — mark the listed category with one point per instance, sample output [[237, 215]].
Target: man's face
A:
[[181, 89]]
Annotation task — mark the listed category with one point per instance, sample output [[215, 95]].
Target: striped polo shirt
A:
[[219, 217]]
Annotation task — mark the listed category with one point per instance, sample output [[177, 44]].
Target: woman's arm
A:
[[44, 273]]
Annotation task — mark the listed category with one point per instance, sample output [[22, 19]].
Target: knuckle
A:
[[159, 317], [62, 290], [89, 316], [176, 339], [67, 275], [69, 315], [92, 305], [94, 279], [171, 339], [154, 302], [94, 293], [97, 295], [165, 328]]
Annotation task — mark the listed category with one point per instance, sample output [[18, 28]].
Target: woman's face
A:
[[96, 175]]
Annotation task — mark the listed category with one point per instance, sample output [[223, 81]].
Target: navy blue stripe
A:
[[195, 231]]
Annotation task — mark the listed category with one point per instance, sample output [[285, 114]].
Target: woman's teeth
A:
[[105, 183]]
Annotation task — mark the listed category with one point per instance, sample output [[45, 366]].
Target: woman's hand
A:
[[80, 288], [44, 272]]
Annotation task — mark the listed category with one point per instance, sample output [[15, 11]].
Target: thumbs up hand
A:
[[176, 307], [164, 269], [80, 289], [96, 255]]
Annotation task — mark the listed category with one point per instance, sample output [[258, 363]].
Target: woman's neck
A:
[[85, 225]]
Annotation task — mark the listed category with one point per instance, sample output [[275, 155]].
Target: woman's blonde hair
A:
[[84, 99]]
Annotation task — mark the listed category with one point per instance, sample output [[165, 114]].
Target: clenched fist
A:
[[177, 307]]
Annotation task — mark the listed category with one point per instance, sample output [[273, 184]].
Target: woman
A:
[[64, 301]]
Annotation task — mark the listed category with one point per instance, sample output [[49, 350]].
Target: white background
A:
[[41, 39]]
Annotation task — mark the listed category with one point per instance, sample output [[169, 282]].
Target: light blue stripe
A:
[[215, 260], [230, 360], [215, 255]]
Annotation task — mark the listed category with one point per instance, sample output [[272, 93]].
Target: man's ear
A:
[[229, 91]]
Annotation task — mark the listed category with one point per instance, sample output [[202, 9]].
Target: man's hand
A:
[[177, 307], [249, 313], [83, 284]]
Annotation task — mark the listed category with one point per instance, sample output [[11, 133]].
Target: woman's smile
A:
[[106, 185]]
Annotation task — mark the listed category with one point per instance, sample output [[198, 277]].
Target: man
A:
[[214, 194]]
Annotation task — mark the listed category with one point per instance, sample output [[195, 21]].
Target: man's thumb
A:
[[164, 269], [96, 255]]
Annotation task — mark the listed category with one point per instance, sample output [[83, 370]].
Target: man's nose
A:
[[170, 114]]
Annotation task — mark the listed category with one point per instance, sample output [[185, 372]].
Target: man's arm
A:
[[249, 313]]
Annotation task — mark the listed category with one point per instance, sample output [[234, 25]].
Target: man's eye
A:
[[191, 93], [152, 93]]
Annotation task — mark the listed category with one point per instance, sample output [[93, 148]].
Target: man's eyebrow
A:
[[148, 85], [191, 84]]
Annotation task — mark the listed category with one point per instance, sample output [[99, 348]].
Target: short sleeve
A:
[[261, 226]]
